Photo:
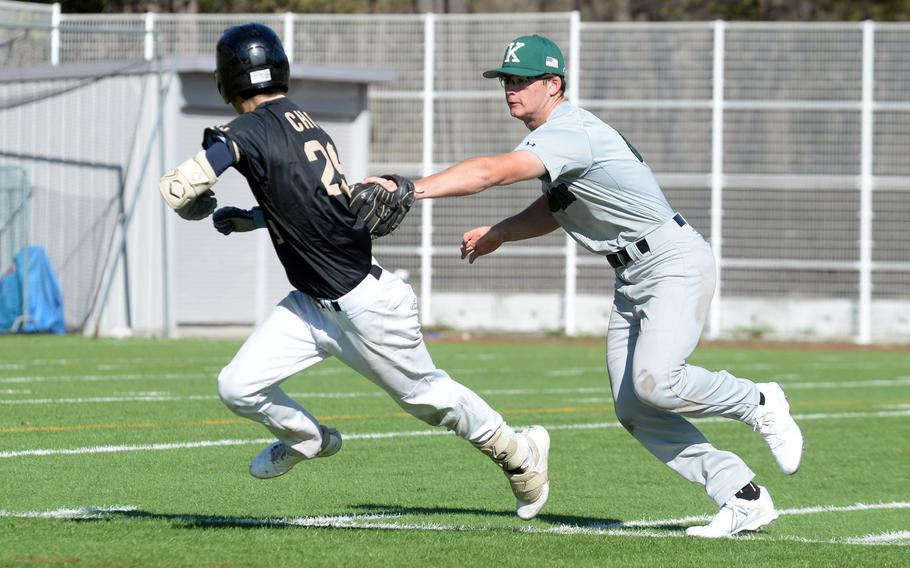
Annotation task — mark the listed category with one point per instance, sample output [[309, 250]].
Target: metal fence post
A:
[[426, 210], [288, 34], [571, 281], [55, 34], [864, 331], [168, 325], [717, 171], [149, 36]]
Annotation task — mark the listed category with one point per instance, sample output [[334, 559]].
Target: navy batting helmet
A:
[[249, 60]]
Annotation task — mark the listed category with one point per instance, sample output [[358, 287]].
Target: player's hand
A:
[[233, 219], [200, 207], [382, 202], [479, 242], [386, 183]]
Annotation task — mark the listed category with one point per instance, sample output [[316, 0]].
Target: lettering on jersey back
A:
[[559, 198], [300, 120]]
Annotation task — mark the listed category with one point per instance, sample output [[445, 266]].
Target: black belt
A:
[[622, 258], [375, 272]]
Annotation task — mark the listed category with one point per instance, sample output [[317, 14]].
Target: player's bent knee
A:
[[436, 402], [652, 387], [234, 393], [433, 414]]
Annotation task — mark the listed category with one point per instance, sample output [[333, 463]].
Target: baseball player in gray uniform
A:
[[597, 187], [343, 303]]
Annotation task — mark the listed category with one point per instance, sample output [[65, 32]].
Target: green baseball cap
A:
[[529, 56]]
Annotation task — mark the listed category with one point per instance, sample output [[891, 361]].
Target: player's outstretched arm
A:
[[534, 221], [477, 174]]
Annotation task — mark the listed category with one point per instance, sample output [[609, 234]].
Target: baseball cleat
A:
[[773, 421], [275, 460], [531, 487], [331, 442], [278, 458], [738, 515]]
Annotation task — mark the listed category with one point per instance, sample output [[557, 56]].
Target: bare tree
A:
[[591, 10]]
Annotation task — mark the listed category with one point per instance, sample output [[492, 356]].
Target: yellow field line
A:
[[804, 404], [26, 428], [104, 426]]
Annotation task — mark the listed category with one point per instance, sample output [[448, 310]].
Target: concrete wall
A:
[[745, 318]]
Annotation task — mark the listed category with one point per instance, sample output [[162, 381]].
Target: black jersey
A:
[[292, 167]]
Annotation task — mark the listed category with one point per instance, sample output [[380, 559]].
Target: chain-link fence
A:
[[14, 188], [783, 143], [14, 234], [21, 44], [75, 133]]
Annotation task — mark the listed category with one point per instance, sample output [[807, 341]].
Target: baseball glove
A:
[[382, 210]]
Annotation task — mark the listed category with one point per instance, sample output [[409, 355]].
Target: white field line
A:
[[207, 374], [902, 537], [401, 434], [108, 513], [214, 365], [368, 522], [100, 378], [574, 371], [645, 523], [98, 399], [898, 382], [166, 397], [120, 361], [81, 513]]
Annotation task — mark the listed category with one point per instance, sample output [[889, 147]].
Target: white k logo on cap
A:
[[511, 56]]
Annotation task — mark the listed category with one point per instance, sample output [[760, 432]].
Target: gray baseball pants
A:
[[660, 304]]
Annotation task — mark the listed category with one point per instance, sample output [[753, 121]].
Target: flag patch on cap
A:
[[552, 62], [260, 76]]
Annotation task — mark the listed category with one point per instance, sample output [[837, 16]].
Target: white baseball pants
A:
[[376, 332], [660, 304]]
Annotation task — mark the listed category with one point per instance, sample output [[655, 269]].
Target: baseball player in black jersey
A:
[[343, 303]]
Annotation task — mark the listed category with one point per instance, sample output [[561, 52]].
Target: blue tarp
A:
[[44, 297]]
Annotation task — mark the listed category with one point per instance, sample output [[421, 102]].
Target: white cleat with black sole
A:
[[738, 515]]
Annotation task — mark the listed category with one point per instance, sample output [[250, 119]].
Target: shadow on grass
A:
[[375, 516], [569, 520]]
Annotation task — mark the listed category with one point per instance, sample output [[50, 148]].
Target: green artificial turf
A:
[[131, 493]]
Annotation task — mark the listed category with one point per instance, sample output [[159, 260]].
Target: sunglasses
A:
[[517, 83]]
